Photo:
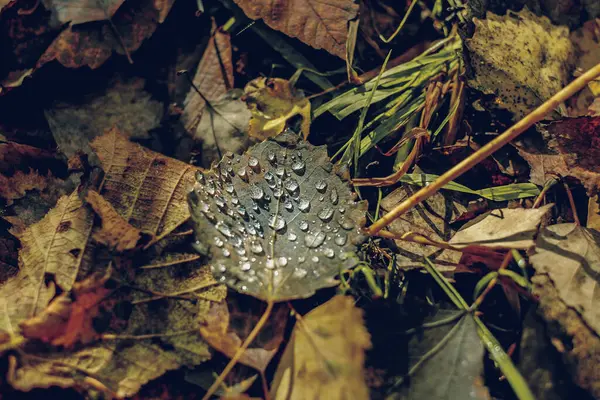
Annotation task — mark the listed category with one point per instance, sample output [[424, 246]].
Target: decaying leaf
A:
[[69, 318], [125, 106], [572, 150], [115, 233], [325, 355], [276, 221], [432, 219], [504, 228], [453, 372], [214, 77], [52, 253], [570, 256], [93, 44], [570, 334], [273, 102], [322, 25], [221, 124], [17, 185], [593, 220], [146, 188], [82, 11], [537, 65], [227, 325]]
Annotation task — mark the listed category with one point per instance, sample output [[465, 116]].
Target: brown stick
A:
[[535, 116]]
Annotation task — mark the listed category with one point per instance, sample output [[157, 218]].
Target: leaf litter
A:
[[115, 263]]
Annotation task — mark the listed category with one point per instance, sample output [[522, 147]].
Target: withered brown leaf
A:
[[115, 233], [325, 355], [68, 319], [228, 323], [320, 24], [572, 149], [93, 44], [147, 189]]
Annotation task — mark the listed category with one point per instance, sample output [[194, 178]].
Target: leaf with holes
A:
[[278, 222], [320, 24], [53, 252]]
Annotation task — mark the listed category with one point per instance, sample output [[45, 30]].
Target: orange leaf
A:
[[68, 319]]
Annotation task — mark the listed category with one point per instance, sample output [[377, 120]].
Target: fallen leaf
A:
[[221, 123], [570, 256], [223, 128], [69, 318], [273, 102], [17, 185], [93, 44], [594, 109], [277, 222], [8, 258], [322, 25], [432, 219], [227, 325], [538, 66], [575, 341], [572, 149], [452, 372], [163, 7], [125, 105], [51, 256], [593, 219], [586, 41], [147, 189], [504, 228], [213, 78], [115, 233], [325, 355], [82, 11]]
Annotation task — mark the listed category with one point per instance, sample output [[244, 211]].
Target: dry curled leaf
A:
[[273, 102], [81, 11], [325, 355], [537, 66], [277, 222], [147, 189], [228, 324], [504, 228], [69, 318], [114, 233], [572, 149], [320, 24]]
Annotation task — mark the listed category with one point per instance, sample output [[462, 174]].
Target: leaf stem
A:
[[514, 131]]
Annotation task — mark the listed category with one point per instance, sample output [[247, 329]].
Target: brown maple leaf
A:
[[320, 24]]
